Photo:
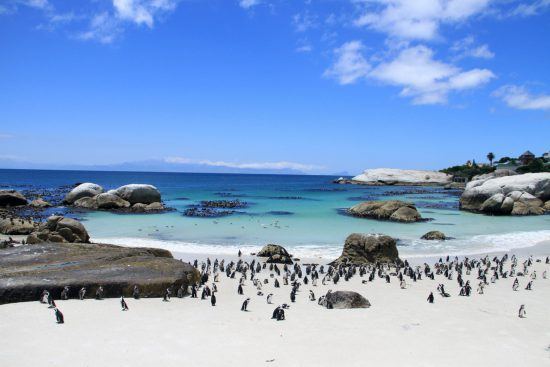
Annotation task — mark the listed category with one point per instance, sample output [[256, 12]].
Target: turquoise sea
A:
[[300, 212]]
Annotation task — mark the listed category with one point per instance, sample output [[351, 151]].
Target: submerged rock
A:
[[362, 249], [25, 271], [345, 300], [11, 198], [434, 236], [87, 189], [40, 203], [226, 204], [394, 210]]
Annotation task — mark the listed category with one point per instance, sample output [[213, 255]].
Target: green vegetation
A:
[[536, 165], [467, 171]]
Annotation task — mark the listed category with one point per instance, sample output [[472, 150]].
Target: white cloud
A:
[[417, 19], [533, 8], [247, 4], [142, 11], [466, 47], [253, 165], [350, 64], [421, 77], [103, 29], [304, 21], [519, 97]]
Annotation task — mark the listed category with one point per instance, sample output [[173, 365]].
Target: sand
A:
[[399, 329]]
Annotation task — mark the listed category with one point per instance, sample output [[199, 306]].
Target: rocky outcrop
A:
[[25, 271], [434, 236], [226, 204], [494, 174], [40, 204], [275, 254], [547, 206], [9, 198], [394, 210], [509, 195], [16, 226], [133, 198], [139, 193], [345, 300], [361, 249], [391, 176], [59, 229], [87, 189]]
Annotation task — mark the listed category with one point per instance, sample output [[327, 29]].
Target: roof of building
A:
[[527, 154]]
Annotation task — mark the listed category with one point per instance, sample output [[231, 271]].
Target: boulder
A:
[[139, 193], [154, 207], [361, 249], [276, 254], [475, 196], [434, 236], [394, 210], [139, 208], [110, 201], [86, 203], [547, 206], [40, 204], [16, 226], [11, 198], [523, 208], [25, 271], [87, 189], [494, 174], [345, 300], [391, 176], [59, 229]]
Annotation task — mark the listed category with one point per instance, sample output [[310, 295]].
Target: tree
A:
[[490, 157]]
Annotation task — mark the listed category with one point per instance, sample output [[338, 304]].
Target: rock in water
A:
[[434, 236], [275, 254], [86, 203], [361, 249], [346, 299], [40, 203], [87, 189], [394, 210], [139, 193], [25, 271], [516, 195], [110, 201], [391, 176], [11, 198]]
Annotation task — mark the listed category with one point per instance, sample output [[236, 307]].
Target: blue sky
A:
[[317, 86]]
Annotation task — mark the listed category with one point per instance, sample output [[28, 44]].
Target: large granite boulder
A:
[[25, 271], [59, 229], [392, 176], [516, 194], [394, 210], [361, 249], [16, 226], [110, 201], [345, 300], [139, 193], [547, 206], [87, 189], [86, 203], [275, 254], [434, 236], [494, 174], [11, 198]]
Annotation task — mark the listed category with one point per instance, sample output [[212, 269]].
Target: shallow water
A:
[[299, 212]]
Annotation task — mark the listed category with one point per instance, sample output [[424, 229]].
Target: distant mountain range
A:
[[163, 165]]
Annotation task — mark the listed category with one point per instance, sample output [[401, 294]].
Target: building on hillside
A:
[[546, 156], [526, 158]]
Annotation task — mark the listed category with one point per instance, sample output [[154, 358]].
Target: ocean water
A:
[[300, 212]]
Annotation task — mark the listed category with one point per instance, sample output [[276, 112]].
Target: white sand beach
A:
[[400, 328]]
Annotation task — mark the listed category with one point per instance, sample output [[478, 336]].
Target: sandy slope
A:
[[400, 329]]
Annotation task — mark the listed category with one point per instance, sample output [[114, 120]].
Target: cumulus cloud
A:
[[247, 4], [421, 77], [350, 64], [142, 11], [467, 47], [252, 165], [418, 19], [519, 97]]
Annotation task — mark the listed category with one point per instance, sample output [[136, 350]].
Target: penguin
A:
[[281, 314], [82, 293], [135, 293], [123, 304], [292, 296], [59, 316], [244, 307], [213, 299], [269, 297], [65, 293], [276, 312], [99, 293], [311, 295], [431, 298], [522, 313], [240, 289]]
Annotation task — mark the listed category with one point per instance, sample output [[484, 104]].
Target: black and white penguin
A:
[[123, 304], [431, 298], [213, 299], [522, 313], [244, 307], [59, 316], [135, 293], [269, 297]]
